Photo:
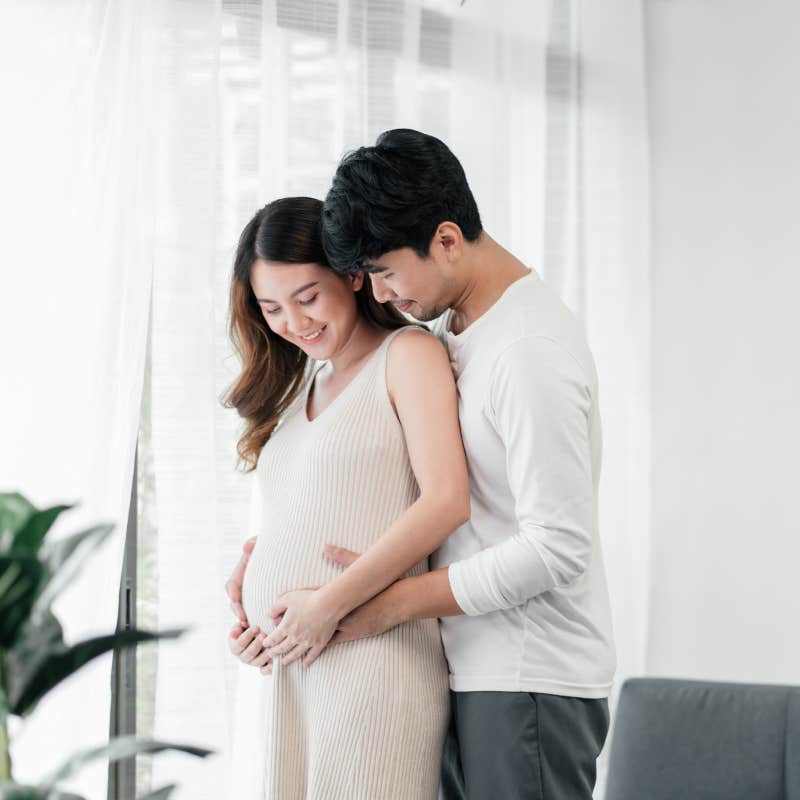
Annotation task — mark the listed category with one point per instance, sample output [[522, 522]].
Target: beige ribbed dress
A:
[[366, 721]]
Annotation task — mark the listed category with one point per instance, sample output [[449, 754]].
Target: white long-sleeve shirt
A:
[[527, 568]]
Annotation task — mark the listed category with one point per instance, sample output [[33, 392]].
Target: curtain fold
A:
[[76, 205]]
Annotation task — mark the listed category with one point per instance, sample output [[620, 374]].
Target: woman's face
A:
[[307, 304]]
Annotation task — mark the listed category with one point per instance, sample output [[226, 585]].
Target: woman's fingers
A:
[[283, 647], [278, 609], [240, 638], [248, 645], [261, 659], [252, 650], [277, 636], [298, 651], [266, 669], [311, 656]]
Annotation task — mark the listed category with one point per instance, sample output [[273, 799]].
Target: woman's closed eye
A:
[[300, 302]]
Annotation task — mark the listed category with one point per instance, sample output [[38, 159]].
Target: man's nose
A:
[[382, 293]]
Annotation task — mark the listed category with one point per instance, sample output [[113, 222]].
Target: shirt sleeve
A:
[[540, 404]]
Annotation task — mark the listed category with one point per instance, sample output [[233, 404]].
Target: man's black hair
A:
[[394, 195]]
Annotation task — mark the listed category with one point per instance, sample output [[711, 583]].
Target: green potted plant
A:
[[34, 658]]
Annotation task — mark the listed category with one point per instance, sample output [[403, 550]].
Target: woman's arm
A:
[[421, 385]]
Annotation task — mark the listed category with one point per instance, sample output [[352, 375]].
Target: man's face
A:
[[414, 285]]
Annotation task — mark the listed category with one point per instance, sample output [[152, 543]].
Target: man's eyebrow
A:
[[293, 294], [373, 268]]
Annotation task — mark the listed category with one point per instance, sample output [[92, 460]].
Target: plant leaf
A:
[[118, 748], [52, 665], [32, 646], [17, 791], [20, 580], [63, 559], [28, 539], [14, 513]]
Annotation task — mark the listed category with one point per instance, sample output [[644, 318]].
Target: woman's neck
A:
[[363, 339]]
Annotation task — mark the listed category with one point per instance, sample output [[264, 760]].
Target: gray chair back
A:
[[695, 740]]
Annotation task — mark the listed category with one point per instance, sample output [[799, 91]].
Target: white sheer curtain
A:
[[120, 171], [597, 256], [260, 100], [76, 210], [543, 103]]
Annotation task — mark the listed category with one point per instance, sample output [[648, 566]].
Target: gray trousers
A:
[[522, 746]]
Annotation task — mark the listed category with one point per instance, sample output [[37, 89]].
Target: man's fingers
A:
[[342, 636], [233, 585], [238, 612], [233, 589], [340, 555]]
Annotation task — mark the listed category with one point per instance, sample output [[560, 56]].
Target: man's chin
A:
[[424, 314]]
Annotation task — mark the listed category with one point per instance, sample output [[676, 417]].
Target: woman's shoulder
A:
[[412, 350], [422, 332]]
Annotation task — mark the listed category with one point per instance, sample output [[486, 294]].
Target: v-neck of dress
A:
[[345, 389]]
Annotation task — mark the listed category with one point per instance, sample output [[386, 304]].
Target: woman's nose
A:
[[297, 320]]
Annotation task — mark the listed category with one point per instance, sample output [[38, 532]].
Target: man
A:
[[520, 588]]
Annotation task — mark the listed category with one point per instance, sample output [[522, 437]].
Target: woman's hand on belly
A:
[[305, 628], [247, 644]]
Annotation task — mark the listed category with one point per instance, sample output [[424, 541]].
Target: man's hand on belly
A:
[[233, 585]]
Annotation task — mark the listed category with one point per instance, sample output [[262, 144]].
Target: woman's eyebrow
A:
[[293, 294]]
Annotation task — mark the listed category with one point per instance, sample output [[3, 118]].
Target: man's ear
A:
[[357, 280], [449, 237]]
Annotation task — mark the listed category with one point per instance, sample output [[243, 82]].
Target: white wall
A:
[[725, 125]]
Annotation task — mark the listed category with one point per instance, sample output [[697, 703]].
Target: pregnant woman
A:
[[351, 423]]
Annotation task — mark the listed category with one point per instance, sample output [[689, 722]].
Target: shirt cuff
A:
[[455, 573]]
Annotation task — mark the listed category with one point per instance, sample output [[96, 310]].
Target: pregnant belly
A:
[[279, 564]]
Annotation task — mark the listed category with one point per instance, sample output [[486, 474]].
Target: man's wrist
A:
[[394, 602]]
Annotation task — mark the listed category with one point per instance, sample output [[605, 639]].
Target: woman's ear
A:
[[357, 280]]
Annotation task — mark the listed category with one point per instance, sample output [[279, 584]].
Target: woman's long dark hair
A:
[[273, 370]]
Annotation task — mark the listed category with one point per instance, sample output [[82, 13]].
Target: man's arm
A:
[[540, 404], [419, 597]]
